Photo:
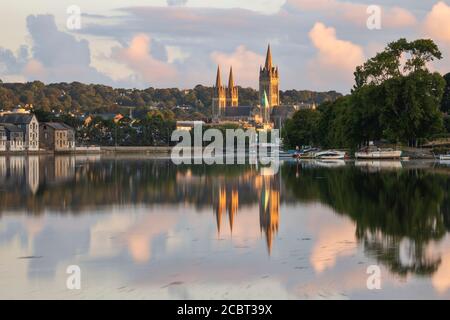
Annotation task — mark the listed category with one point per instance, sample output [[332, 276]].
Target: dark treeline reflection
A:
[[73, 184], [397, 212]]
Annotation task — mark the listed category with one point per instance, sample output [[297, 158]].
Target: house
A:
[[280, 114], [188, 125], [29, 125], [14, 137], [56, 136], [3, 138]]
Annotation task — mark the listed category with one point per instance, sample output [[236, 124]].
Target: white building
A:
[[29, 125]]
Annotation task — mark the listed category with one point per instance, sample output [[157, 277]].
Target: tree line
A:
[[77, 97], [396, 98]]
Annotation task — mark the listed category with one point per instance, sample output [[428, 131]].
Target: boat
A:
[[330, 155], [306, 153], [373, 152], [285, 155], [444, 157]]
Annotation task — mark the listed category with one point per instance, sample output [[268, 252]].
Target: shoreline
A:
[[412, 154]]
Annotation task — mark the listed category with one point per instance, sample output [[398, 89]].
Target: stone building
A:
[[14, 137], [29, 125], [225, 102], [56, 136], [269, 81]]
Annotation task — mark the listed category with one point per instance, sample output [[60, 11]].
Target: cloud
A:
[[59, 55], [176, 2], [335, 59], [437, 22], [245, 65], [356, 13], [138, 57], [35, 69], [11, 63]]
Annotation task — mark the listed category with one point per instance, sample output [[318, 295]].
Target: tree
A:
[[445, 106], [301, 129], [407, 97], [388, 63]]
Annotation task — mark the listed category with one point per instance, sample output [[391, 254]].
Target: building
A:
[[269, 81], [280, 114], [29, 125], [188, 125], [56, 136], [3, 138], [219, 100], [232, 93], [14, 137], [225, 102]]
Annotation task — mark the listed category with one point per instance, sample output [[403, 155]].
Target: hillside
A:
[[80, 98]]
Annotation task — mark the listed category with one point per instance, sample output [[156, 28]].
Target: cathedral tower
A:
[[269, 82], [219, 100], [232, 92]]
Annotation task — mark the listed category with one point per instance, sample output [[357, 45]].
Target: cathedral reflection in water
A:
[[266, 190], [70, 183]]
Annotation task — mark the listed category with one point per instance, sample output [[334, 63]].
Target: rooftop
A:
[[16, 118]]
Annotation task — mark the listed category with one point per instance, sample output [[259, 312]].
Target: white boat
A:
[[330, 155], [444, 157], [377, 153]]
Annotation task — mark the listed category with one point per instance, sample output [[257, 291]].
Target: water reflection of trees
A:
[[397, 213]]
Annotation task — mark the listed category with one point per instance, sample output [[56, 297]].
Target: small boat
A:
[[373, 152], [331, 155], [444, 157], [285, 155], [306, 153]]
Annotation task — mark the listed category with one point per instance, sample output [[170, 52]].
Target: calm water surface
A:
[[145, 228]]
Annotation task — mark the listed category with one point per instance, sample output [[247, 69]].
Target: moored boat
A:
[[378, 153], [444, 157], [331, 155]]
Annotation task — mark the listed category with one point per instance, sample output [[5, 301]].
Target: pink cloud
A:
[[437, 22], [245, 65], [34, 69], [356, 13], [334, 56], [137, 56]]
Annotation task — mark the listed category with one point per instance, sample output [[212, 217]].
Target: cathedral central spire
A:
[[269, 81], [268, 64]]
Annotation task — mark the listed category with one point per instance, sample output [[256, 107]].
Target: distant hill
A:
[[79, 98]]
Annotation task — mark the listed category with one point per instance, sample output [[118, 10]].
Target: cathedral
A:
[[269, 81], [225, 102]]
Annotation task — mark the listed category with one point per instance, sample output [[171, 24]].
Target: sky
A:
[[178, 43]]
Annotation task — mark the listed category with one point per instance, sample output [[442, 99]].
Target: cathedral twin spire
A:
[[226, 96]]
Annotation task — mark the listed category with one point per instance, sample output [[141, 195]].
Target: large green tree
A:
[[397, 86], [301, 129], [445, 106], [395, 98]]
